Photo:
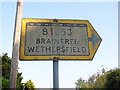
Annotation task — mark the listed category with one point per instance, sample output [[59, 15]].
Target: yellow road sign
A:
[[45, 39]]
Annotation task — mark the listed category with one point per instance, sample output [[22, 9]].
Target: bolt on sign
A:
[[44, 39]]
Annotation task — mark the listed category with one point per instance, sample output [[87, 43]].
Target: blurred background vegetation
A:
[[102, 79]]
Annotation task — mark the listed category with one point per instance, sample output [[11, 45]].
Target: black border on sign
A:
[[63, 26]]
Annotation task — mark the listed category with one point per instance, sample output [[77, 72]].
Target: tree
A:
[[113, 79], [100, 81], [29, 85], [108, 79], [81, 83], [103, 79], [5, 82], [6, 62], [19, 84], [91, 81]]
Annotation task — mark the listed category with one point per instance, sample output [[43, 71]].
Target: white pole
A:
[[55, 73], [16, 43]]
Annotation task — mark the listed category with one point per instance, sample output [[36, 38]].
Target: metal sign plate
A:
[[66, 39]]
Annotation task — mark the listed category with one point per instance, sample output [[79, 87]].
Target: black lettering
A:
[[76, 42], [74, 49], [57, 31], [51, 31], [58, 49], [71, 49], [66, 41], [42, 40], [71, 41], [63, 49], [53, 48], [61, 41], [52, 40], [48, 41], [37, 41], [48, 49], [55, 41], [78, 49], [37, 48], [31, 49], [70, 31], [83, 49], [67, 48], [45, 31], [42, 48], [63, 31]]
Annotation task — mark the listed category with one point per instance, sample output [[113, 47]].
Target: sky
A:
[[102, 15]]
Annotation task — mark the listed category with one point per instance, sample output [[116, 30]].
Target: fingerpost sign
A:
[[65, 39]]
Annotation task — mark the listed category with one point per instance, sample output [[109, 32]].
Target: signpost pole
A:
[[55, 73], [16, 42]]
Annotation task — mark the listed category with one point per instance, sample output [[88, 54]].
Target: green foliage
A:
[[5, 82], [29, 85], [6, 62], [100, 81], [19, 84], [103, 79], [113, 79], [91, 81], [81, 83]]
